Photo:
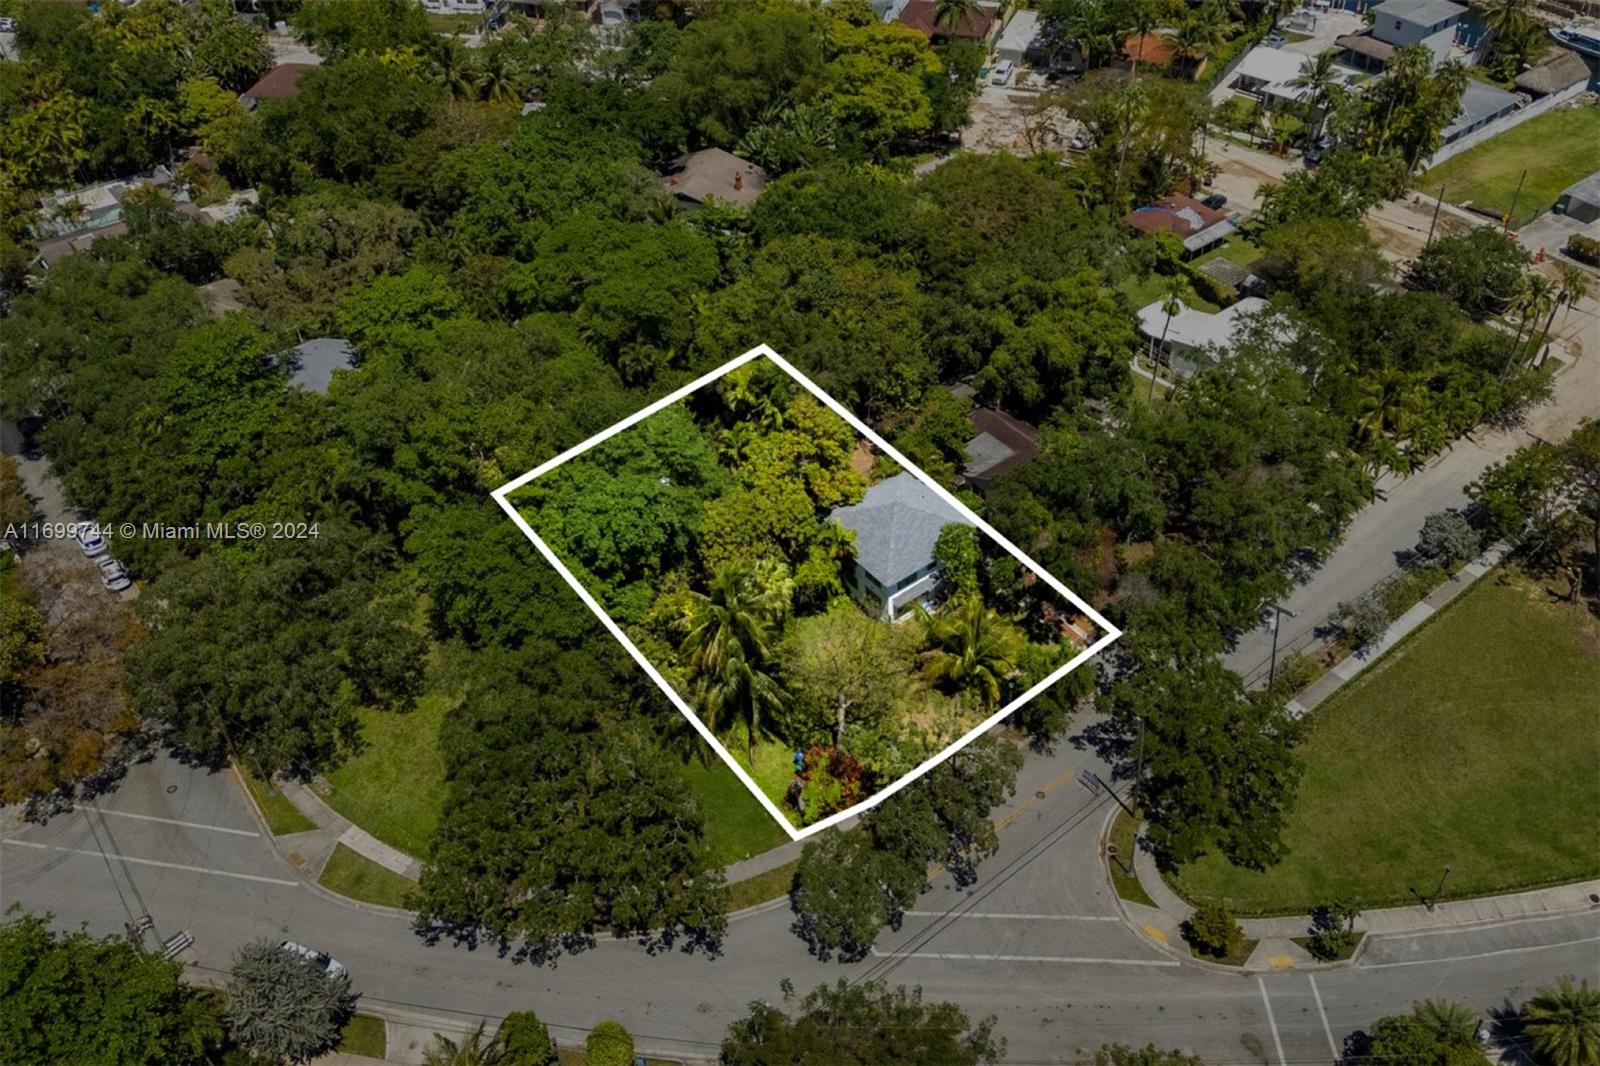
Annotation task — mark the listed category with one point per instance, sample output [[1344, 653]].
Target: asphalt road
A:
[[1038, 941], [1383, 533]]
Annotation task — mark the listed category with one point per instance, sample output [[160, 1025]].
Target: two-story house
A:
[[1398, 23], [897, 523]]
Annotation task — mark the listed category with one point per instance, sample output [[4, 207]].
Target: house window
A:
[[1398, 25]]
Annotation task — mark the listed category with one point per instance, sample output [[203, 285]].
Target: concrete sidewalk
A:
[[346, 832], [1164, 922], [1329, 683]]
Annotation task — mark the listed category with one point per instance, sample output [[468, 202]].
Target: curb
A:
[[300, 874]]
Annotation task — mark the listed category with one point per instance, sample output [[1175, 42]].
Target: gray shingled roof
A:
[[1421, 12], [311, 364], [897, 523]]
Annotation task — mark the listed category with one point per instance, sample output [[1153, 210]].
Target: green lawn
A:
[[352, 874], [395, 788], [774, 767], [1473, 744], [737, 826], [282, 816], [1235, 249], [1141, 292], [762, 887], [1123, 879], [364, 1035], [1556, 149]]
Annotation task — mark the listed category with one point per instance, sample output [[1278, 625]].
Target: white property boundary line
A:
[[500, 496]]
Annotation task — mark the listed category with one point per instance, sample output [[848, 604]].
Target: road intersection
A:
[[1040, 940]]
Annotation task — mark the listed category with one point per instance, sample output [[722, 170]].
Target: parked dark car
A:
[[1215, 201]]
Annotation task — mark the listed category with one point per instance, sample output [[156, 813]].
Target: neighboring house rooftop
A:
[[1420, 12], [312, 363], [897, 524], [1020, 35], [56, 249], [282, 82], [1003, 443], [1194, 222], [1479, 104], [713, 172], [1364, 44], [975, 24], [1561, 69], [90, 206], [1196, 329]]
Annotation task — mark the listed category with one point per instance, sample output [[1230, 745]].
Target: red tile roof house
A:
[[1199, 227], [282, 82], [976, 24]]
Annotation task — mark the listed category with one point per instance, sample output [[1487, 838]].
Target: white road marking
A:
[[151, 862], [1480, 955], [947, 956], [1277, 1042], [1016, 917], [1326, 1028], [174, 821]]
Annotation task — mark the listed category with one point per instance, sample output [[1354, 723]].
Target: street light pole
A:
[[1278, 611], [1434, 899]]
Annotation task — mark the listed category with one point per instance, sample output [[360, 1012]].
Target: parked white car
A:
[[1002, 72], [92, 543], [113, 575], [321, 959]]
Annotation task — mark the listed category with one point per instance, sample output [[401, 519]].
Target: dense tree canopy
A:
[[72, 997]]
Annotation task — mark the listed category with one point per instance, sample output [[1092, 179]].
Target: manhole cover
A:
[[297, 858]]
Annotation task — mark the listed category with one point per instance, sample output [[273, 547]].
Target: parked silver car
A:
[[321, 959]]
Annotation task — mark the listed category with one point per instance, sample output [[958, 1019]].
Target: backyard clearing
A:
[[1556, 149], [1473, 744]]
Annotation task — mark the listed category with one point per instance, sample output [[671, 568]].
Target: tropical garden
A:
[[708, 530]]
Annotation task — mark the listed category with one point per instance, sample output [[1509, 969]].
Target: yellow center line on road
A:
[[1044, 793], [1038, 797]]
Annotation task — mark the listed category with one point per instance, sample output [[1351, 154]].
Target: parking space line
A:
[[151, 862], [1326, 1028], [948, 956], [1277, 1041], [996, 915], [174, 821]]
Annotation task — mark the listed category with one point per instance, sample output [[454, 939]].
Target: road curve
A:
[[1038, 941]]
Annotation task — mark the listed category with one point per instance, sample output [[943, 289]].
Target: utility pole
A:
[[1138, 773], [1435, 220], [1505, 221], [1278, 611]]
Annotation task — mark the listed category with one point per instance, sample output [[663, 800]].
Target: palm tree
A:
[[1319, 77], [1170, 306], [727, 634], [1563, 1021], [1452, 1024], [1388, 401], [473, 1050], [972, 647], [452, 66], [1574, 287], [1537, 296], [1508, 23], [836, 542], [951, 13], [1200, 31]]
